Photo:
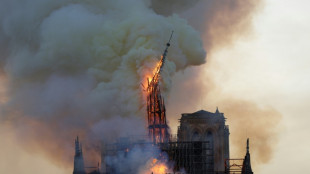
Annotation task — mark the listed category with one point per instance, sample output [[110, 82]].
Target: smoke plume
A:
[[75, 67], [221, 22], [258, 123]]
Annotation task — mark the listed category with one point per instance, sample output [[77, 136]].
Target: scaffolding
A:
[[196, 157], [122, 147], [233, 166]]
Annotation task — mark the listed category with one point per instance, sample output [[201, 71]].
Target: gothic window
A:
[[196, 136], [209, 138], [209, 151]]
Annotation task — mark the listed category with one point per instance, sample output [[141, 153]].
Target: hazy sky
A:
[[270, 67]]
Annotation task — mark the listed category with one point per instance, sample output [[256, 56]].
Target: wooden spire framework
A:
[[156, 111]]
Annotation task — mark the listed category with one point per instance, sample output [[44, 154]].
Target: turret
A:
[[246, 167], [217, 110], [78, 167], [77, 146]]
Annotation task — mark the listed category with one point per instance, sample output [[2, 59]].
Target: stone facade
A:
[[207, 126]]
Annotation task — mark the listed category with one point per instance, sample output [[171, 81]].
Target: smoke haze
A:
[[75, 68], [220, 23]]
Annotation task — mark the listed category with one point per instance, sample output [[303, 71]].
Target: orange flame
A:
[[158, 167], [149, 77]]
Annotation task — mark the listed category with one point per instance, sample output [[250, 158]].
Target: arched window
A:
[[209, 151], [209, 138], [196, 136]]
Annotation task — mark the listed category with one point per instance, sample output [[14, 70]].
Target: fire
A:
[[151, 76], [157, 167]]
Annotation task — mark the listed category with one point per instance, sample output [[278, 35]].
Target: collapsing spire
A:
[[160, 65], [165, 52], [156, 111]]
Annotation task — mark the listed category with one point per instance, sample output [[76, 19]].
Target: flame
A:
[[154, 166], [149, 76], [158, 167]]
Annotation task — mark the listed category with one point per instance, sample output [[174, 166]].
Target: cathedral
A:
[[208, 127], [201, 145]]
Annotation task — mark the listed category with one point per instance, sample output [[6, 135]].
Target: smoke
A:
[[142, 159], [133, 160], [169, 7], [75, 68], [260, 124], [221, 22]]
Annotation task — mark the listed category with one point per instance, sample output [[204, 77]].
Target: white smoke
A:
[[138, 160], [70, 66]]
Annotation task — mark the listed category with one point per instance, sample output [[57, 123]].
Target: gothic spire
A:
[[78, 167], [246, 168], [217, 110]]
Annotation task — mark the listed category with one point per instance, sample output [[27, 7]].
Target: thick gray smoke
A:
[[140, 160], [75, 67]]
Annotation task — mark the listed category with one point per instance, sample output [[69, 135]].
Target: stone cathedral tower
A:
[[207, 126]]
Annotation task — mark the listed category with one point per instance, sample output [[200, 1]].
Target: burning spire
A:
[[156, 111]]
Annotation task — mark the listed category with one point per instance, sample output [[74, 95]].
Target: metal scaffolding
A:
[[196, 157], [122, 147], [233, 166]]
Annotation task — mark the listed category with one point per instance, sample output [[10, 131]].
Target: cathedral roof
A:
[[203, 114]]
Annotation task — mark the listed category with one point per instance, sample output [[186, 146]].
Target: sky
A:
[[270, 66]]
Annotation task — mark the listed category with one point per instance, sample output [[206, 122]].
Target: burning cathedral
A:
[[201, 145]]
